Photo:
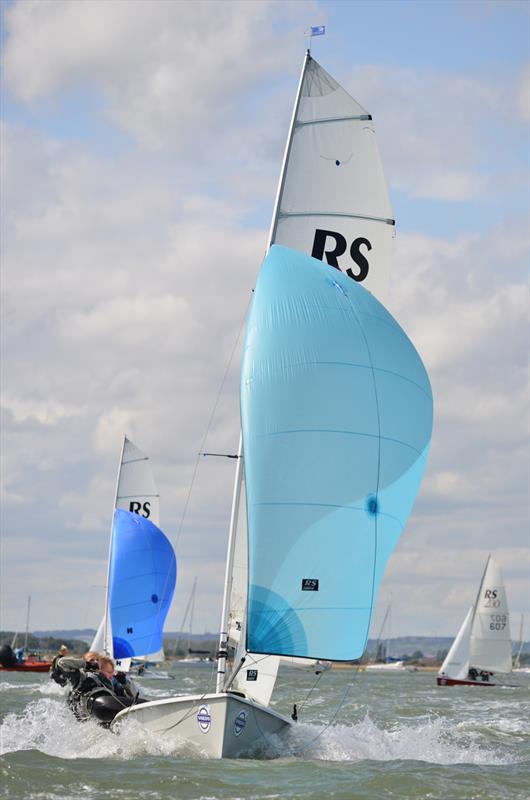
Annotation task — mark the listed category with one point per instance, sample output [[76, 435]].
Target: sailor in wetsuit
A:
[[116, 681], [96, 691]]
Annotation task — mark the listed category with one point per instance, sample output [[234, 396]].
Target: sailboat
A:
[[194, 655], [383, 661], [141, 570], [517, 658], [336, 418], [483, 645], [12, 660]]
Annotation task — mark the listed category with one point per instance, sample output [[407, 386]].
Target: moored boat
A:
[[9, 662]]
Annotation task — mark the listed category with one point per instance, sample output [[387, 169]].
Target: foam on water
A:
[[435, 741], [43, 687], [48, 726]]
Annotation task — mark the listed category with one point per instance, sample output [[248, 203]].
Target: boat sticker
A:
[[310, 584], [240, 723], [252, 674], [204, 718]]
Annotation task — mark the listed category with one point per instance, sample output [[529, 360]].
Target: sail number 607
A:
[[498, 622]]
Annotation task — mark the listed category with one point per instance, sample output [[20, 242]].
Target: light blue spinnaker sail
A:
[[336, 418], [142, 577]]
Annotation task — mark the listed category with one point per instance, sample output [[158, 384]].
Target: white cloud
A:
[[168, 71], [127, 276], [446, 136]]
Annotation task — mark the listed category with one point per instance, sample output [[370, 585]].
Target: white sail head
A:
[[136, 489], [490, 642], [456, 663], [333, 201]]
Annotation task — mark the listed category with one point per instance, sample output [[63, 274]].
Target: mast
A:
[[274, 221], [479, 593], [223, 635], [27, 623], [520, 648], [106, 612]]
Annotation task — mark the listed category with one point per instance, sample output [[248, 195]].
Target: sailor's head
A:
[[63, 649], [106, 667]]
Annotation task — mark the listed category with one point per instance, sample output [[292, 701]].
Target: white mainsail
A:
[[136, 489], [490, 640], [456, 663], [135, 492], [332, 200]]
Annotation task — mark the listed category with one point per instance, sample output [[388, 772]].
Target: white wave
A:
[[47, 687], [436, 741], [50, 727]]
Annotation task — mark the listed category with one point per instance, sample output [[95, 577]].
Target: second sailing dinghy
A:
[[483, 644], [336, 418], [141, 573]]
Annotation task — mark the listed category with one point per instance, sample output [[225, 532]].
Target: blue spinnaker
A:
[[142, 577], [336, 417]]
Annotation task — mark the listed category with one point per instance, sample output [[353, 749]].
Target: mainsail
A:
[[332, 200], [490, 640], [336, 418], [136, 490]]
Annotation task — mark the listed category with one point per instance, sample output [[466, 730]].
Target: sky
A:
[[141, 149]]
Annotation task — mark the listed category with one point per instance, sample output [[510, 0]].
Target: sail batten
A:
[[357, 117], [347, 215]]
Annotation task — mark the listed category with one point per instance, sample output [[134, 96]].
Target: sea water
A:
[[359, 735]]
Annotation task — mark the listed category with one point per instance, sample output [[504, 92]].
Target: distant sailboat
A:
[[141, 572], [482, 646], [12, 660], [336, 412], [517, 659], [383, 660], [193, 655]]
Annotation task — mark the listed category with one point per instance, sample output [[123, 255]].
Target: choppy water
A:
[[394, 736]]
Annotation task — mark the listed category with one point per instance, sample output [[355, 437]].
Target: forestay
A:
[[332, 200], [490, 646], [336, 419]]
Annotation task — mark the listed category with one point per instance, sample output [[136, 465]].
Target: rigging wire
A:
[[203, 441], [296, 751], [210, 420]]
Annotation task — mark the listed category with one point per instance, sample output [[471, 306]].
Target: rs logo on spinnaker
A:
[[330, 245]]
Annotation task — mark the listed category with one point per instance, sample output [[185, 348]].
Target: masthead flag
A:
[[317, 30]]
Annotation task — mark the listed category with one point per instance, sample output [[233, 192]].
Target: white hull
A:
[[396, 666], [215, 725]]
